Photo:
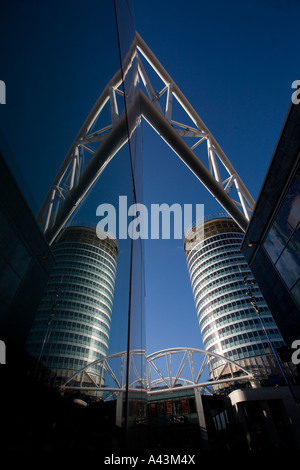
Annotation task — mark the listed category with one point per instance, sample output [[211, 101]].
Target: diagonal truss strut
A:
[[75, 178]]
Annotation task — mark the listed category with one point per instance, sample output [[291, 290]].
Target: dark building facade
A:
[[272, 241], [25, 264]]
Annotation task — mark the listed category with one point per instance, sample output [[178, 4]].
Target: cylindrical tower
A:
[[228, 322], [72, 324]]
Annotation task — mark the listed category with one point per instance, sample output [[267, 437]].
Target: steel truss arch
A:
[[101, 141], [184, 373]]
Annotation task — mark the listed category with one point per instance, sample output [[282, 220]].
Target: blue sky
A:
[[234, 61]]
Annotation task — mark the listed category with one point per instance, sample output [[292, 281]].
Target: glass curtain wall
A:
[[283, 240], [136, 397]]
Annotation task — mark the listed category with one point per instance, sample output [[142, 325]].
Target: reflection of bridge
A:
[[111, 124], [166, 370]]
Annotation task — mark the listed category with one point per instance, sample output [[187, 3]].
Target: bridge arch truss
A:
[[168, 370], [111, 123]]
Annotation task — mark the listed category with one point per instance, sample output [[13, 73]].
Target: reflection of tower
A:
[[72, 325], [228, 322]]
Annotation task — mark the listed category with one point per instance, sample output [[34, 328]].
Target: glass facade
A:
[[15, 260], [272, 241], [72, 325], [136, 340], [228, 322], [25, 264], [283, 240]]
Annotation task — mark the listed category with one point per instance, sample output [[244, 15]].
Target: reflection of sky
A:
[[274, 244], [289, 266], [52, 61], [283, 240]]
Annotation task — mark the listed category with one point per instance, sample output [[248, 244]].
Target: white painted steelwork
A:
[[101, 142], [185, 370]]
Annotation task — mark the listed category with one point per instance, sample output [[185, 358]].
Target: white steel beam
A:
[[105, 142]]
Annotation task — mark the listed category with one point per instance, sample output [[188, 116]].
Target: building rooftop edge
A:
[[202, 233]]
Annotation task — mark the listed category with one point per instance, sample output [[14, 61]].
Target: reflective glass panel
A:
[[283, 240]]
